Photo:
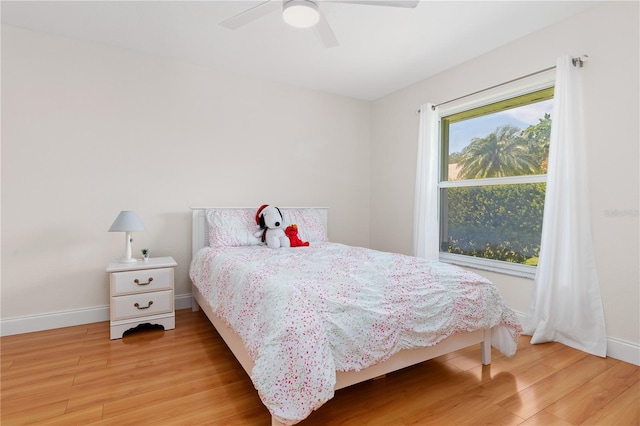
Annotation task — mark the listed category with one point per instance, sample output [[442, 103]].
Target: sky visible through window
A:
[[462, 132]]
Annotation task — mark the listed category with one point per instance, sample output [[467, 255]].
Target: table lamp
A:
[[127, 221]]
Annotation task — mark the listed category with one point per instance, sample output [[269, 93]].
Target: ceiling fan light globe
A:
[[300, 13]]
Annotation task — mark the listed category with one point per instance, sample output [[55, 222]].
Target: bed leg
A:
[[486, 347], [275, 422], [194, 303]]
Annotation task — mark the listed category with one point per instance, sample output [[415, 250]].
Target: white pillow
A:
[[310, 225], [232, 227]]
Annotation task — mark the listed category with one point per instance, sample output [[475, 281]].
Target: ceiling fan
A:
[[306, 14]]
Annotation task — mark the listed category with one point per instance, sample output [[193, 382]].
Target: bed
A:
[[306, 321]]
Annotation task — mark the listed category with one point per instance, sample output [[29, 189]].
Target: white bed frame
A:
[[402, 359]]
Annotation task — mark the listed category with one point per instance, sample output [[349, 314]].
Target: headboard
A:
[[200, 230]]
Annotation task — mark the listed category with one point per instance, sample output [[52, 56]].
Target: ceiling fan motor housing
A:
[[300, 13]]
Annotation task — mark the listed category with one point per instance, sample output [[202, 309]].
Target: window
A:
[[492, 182]]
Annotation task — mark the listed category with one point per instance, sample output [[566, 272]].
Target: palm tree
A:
[[502, 152]]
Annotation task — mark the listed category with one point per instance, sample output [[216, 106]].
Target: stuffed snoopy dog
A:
[[271, 223]]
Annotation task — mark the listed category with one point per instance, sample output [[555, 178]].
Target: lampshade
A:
[[300, 13], [127, 221]]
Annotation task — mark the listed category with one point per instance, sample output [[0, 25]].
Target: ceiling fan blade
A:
[[324, 31], [252, 14], [388, 3]]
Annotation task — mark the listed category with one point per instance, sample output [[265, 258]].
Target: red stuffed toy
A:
[[292, 233]]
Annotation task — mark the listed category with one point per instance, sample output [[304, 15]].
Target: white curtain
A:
[[426, 232], [566, 305]]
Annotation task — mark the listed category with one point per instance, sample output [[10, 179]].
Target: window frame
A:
[[526, 86]]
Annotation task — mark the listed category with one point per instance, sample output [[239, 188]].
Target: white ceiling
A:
[[382, 49]]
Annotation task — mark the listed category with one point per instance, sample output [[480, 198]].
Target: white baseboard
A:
[[31, 323], [623, 350], [616, 348]]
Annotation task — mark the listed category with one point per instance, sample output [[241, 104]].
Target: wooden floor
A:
[[187, 376]]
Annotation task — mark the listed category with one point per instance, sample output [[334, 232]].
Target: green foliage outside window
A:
[[501, 222]]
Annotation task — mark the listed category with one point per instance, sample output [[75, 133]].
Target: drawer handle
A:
[[139, 283], [143, 307]]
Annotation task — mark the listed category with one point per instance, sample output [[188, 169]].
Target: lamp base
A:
[[127, 254]]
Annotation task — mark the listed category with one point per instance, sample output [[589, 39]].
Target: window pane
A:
[[501, 222], [498, 140]]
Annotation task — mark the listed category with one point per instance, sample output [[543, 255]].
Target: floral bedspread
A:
[[304, 313]]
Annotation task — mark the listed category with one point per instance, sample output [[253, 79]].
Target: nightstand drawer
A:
[[143, 304], [141, 281]]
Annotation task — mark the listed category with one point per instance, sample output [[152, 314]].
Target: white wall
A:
[[89, 130], [609, 35]]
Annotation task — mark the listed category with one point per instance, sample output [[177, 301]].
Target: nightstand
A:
[[141, 293]]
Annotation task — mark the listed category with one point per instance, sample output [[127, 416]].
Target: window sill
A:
[[507, 268]]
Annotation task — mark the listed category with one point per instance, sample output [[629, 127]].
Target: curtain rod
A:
[[577, 62]]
